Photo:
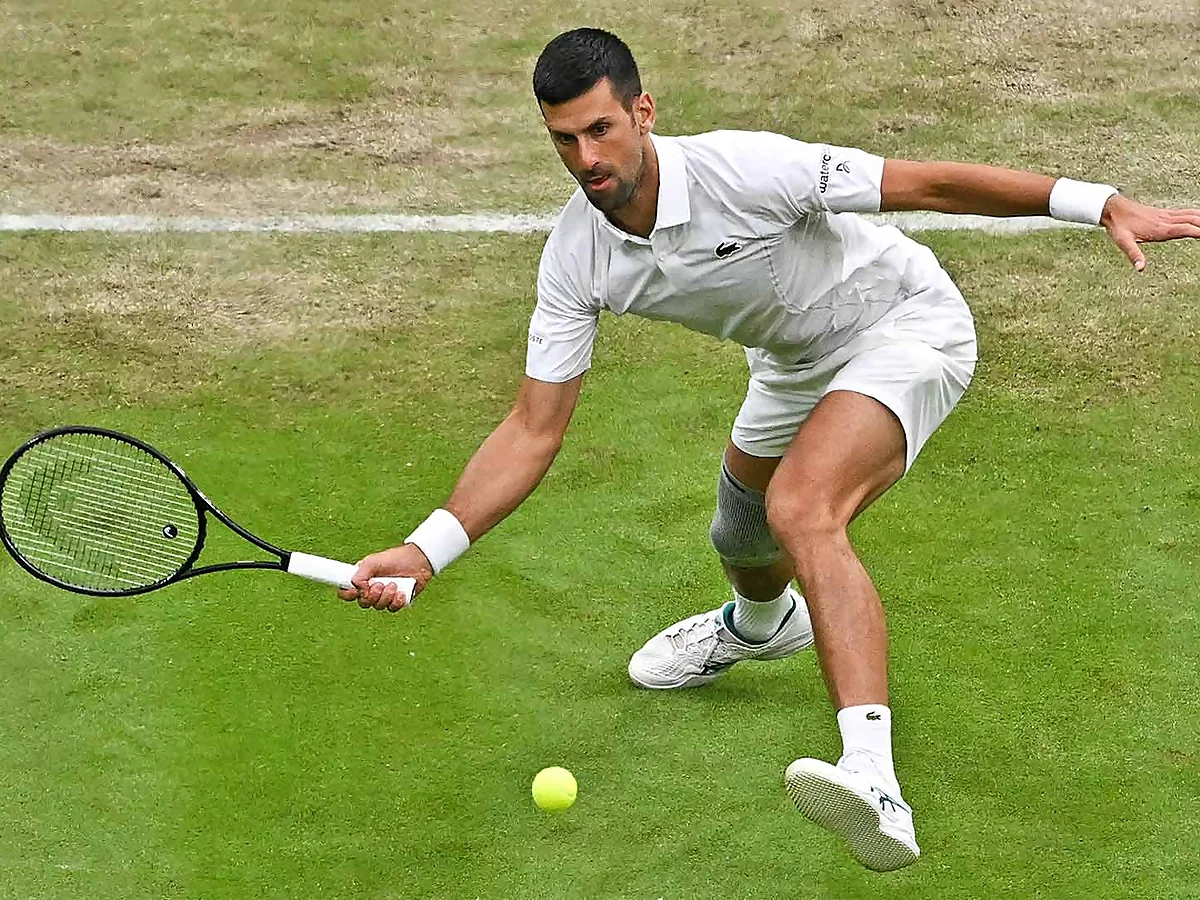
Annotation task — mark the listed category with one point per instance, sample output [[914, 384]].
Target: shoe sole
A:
[[701, 680], [691, 681], [836, 808]]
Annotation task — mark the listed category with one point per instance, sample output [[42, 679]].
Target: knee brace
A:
[[739, 529]]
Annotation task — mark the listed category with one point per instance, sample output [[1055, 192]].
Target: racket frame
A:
[[201, 502]]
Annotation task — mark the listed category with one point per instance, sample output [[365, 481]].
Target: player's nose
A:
[[589, 156]]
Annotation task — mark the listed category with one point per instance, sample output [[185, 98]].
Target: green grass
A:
[[250, 735]]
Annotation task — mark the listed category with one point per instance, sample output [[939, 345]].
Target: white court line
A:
[[467, 223]]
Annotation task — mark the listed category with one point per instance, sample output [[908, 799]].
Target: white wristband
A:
[[441, 538], [1079, 201]]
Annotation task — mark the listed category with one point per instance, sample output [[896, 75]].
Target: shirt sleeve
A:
[[795, 179], [562, 330]]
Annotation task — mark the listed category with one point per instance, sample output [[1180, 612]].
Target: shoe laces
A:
[[693, 634]]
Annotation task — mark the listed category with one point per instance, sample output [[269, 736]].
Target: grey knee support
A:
[[739, 527]]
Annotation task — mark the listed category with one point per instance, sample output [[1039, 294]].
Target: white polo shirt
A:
[[755, 241]]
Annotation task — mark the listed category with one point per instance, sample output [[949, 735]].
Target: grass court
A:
[[248, 735]]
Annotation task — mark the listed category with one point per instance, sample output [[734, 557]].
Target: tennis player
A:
[[858, 343]]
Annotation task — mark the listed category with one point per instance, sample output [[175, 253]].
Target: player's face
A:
[[602, 144]]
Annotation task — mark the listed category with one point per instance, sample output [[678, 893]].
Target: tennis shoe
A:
[[701, 648], [860, 804]]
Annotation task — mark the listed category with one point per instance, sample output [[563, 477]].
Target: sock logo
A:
[[874, 716]]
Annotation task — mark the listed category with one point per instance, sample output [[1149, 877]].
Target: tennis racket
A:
[[98, 512]]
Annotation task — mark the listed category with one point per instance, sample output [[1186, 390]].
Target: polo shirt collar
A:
[[674, 207]]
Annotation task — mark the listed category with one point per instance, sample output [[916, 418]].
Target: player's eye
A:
[[565, 139], [600, 129]]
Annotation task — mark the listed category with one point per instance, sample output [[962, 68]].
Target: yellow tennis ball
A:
[[554, 788]]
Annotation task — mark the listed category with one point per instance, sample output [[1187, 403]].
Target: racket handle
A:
[[330, 571]]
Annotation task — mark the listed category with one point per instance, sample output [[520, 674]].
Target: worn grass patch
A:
[[1060, 315], [231, 108]]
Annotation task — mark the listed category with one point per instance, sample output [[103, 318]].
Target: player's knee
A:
[[800, 519], [739, 531]]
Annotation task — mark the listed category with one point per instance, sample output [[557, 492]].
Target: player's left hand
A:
[[1130, 223]]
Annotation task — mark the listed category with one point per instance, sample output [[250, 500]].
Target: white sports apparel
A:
[[754, 241], [699, 649], [917, 360], [854, 800]]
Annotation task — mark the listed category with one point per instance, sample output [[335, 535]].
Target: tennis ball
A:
[[554, 788]]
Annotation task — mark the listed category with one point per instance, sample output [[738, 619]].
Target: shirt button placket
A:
[[662, 254]]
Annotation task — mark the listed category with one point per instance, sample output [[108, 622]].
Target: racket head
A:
[[98, 512]]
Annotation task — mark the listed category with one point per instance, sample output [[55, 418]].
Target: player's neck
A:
[[639, 214]]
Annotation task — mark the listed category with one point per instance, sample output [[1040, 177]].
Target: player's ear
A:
[[643, 113]]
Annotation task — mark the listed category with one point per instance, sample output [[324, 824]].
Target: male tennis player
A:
[[859, 346]]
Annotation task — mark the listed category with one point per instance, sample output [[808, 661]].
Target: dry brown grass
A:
[[1093, 87], [253, 163]]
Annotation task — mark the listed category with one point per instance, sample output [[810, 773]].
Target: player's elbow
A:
[[542, 413], [909, 185], [534, 434]]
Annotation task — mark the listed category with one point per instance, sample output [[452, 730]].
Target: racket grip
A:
[[330, 571]]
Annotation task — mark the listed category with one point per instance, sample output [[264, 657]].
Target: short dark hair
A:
[[576, 61]]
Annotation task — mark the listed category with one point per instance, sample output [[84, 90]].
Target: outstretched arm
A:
[[503, 472], [990, 191], [513, 459]]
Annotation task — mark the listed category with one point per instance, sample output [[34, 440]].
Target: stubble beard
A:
[[621, 194]]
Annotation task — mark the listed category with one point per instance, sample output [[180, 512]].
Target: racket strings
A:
[[99, 513]]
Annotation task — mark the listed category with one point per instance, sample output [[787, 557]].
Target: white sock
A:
[[755, 621], [868, 729]]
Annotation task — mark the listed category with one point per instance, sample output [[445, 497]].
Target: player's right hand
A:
[[405, 561]]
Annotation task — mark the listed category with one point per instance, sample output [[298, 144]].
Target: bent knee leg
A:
[[740, 533], [806, 526]]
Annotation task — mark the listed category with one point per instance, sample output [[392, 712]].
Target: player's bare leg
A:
[[847, 453]]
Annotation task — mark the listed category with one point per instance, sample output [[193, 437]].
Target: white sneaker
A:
[[855, 801], [697, 650]]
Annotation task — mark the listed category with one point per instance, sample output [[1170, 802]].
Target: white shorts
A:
[[917, 361]]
